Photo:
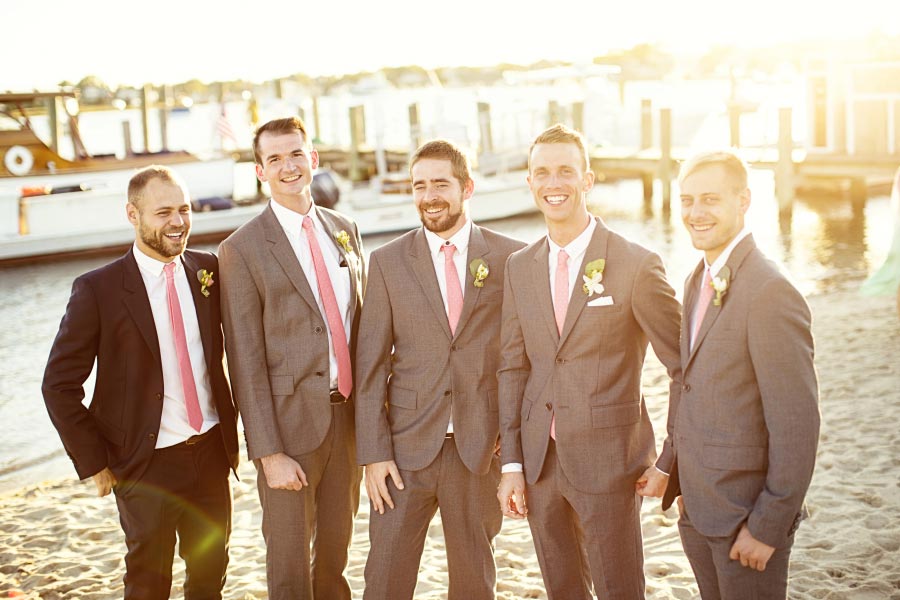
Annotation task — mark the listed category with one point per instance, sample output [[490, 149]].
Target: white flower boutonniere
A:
[[479, 270], [206, 281], [593, 275], [343, 238], [720, 284]]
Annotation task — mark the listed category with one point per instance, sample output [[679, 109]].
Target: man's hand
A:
[[283, 472], [104, 480], [652, 484], [511, 494], [376, 483], [750, 551]]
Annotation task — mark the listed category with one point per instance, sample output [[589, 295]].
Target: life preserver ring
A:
[[18, 160]]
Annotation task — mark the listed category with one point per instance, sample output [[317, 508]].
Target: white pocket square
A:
[[601, 301]]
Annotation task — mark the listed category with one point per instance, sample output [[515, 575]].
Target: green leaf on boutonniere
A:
[[479, 270], [593, 275], [206, 281]]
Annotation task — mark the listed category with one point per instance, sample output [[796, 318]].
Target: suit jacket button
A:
[[318, 329], [559, 361], [446, 392], [159, 396], [686, 387], [152, 436], [320, 373], [454, 347], [549, 406]]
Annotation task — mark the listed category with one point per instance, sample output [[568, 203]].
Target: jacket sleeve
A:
[[512, 374]]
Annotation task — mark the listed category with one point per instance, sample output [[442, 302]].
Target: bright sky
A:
[[43, 42]]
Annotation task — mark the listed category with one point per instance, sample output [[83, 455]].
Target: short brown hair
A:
[[278, 127], [733, 164], [444, 150], [139, 181], [560, 134]]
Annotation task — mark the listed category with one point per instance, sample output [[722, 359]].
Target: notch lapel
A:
[[284, 254], [201, 306], [540, 275], [596, 249], [138, 303], [423, 270], [478, 248]]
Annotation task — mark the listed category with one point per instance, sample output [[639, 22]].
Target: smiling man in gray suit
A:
[[426, 418], [745, 432], [579, 307], [292, 283]]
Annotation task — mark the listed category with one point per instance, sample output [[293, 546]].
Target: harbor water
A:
[[823, 246]]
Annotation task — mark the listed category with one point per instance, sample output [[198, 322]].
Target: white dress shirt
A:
[[292, 223], [576, 250], [460, 239], [174, 426]]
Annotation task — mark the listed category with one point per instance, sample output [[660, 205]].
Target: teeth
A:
[[702, 227], [555, 199], [290, 179]]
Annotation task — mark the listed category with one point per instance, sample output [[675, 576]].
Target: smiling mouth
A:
[[555, 200], [433, 210], [701, 228], [175, 237], [290, 179]]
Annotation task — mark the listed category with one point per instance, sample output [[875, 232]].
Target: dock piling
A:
[[646, 125], [784, 169], [665, 158], [357, 137], [484, 127]]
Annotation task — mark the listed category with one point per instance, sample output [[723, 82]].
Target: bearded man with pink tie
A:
[[292, 285], [742, 441], [161, 429], [426, 420], [579, 307]]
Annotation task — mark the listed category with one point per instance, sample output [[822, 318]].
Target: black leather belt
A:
[[196, 439], [335, 397]]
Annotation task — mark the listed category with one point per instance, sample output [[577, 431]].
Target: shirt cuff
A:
[[660, 470], [511, 468]]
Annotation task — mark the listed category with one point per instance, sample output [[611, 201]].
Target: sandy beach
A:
[[60, 541]]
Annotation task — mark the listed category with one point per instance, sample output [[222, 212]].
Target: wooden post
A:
[[145, 116], [665, 158], [647, 182], [784, 169], [578, 116], [126, 137], [734, 124], [484, 127], [858, 195], [315, 110], [646, 124], [164, 98], [53, 116], [279, 89], [357, 137], [415, 128], [554, 114]]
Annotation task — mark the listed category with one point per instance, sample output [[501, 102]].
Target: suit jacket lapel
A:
[[478, 248], [733, 263], [423, 270], [283, 252], [138, 303], [596, 249], [540, 275], [201, 306], [691, 287]]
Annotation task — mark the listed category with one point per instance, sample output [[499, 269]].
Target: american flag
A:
[[223, 128]]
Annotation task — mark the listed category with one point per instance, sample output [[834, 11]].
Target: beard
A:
[[443, 223], [156, 239]]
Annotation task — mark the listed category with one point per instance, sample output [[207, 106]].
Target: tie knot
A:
[[169, 269], [563, 258], [448, 250], [707, 277], [307, 223]]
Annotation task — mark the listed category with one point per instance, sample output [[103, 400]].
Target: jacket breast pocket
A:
[[735, 458], [402, 397]]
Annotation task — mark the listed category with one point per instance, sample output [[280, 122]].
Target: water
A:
[[823, 247]]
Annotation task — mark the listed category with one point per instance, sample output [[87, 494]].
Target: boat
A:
[[29, 164]]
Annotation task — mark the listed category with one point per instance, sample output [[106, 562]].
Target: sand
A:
[[57, 540]]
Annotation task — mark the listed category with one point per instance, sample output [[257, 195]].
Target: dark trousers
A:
[[580, 538], [720, 577], [185, 492]]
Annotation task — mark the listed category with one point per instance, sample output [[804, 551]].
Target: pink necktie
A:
[[454, 290], [706, 292], [191, 402], [332, 313], [560, 306]]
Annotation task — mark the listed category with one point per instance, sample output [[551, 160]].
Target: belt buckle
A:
[[196, 439], [335, 397]]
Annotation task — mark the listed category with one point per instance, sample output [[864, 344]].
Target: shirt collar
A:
[[726, 254], [291, 221], [579, 244], [150, 265], [460, 239]]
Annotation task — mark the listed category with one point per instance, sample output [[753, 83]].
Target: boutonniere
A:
[[720, 283], [593, 275], [206, 281], [479, 270], [343, 238]]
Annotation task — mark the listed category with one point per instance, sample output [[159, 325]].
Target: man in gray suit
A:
[[742, 441], [292, 283], [579, 307], [426, 418]]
